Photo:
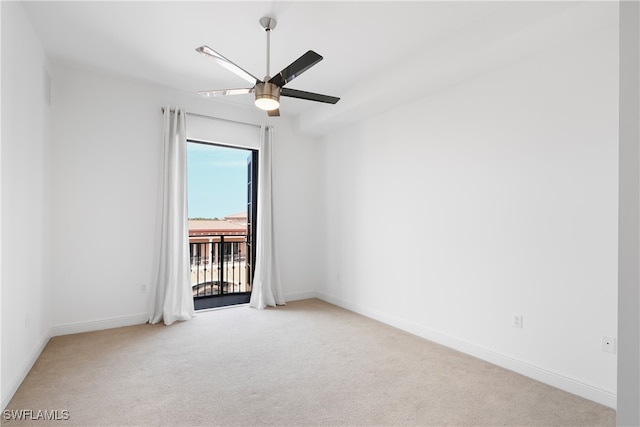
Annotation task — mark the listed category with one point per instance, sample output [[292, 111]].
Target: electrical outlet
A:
[[517, 321], [609, 345], [143, 288]]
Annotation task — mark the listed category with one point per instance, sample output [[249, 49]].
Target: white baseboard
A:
[[99, 324], [138, 319], [554, 379], [14, 383], [297, 296]]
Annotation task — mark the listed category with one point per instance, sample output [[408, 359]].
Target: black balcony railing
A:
[[219, 265]]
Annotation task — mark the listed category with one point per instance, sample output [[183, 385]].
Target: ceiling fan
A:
[[269, 90]]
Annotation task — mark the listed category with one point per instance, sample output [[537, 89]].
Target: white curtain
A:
[[266, 282], [171, 297]]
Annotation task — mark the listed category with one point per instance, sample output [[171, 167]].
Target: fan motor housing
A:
[[266, 90]]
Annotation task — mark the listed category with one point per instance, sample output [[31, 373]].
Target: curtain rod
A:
[[173, 110]]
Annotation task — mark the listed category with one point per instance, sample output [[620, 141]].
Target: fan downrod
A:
[[268, 23]]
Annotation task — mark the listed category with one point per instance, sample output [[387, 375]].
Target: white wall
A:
[[628, 409], [1, 323], [298, 176], [107, 147], [25, 275], [495, 197]]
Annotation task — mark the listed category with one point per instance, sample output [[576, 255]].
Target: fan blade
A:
[[274, 113], [293, 93], [296, 68], [223, 92], [207, 51]]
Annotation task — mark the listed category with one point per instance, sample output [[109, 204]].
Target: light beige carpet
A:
[[308, 363]]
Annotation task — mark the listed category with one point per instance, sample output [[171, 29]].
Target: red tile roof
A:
[[212, 226], [240, 215]]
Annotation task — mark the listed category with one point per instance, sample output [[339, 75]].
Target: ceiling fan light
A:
[[267, 103], [267, 96]]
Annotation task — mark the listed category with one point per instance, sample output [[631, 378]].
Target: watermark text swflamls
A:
[[35, 415]]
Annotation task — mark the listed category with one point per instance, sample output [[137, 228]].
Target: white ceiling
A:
[[396, 51]]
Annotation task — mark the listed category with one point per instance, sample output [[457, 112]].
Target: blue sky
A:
[[217, 180]]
